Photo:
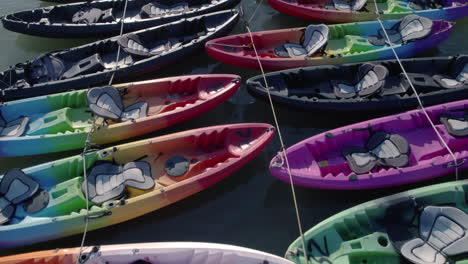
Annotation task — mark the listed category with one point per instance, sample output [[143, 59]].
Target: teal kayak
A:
[[423, 226]]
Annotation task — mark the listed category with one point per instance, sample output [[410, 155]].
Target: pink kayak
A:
[[388, 151], [160, 253]]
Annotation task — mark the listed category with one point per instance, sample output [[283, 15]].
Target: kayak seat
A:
[[133, 44], [15, 187], [106, 102], [13, 128], [46, 68], [156, 9], [458, 77], [425, 4], [410, 28], [387, 150], [85, 66], [443, 233], [315, 38], [456, 126], [58, 121], [107, 181], [356, 5], [370, 80], [91, 15]]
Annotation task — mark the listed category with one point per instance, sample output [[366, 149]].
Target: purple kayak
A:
[[383, 152]]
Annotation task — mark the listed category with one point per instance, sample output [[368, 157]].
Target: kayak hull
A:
[[361, 234], [297, 87], [237, 49], [168, 112], [317, 162], [234, 146], [161, 252], [316, 11], [19, 22], [107, 49]]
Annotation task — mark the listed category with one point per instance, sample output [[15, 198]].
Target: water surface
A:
[[250, 208]]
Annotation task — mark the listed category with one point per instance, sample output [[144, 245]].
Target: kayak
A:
[[383, 152], [427, 225], [103, 18], [161, 253], [62, 121], [91, 64], [369, 86], [338, 11], [332, 44], [48, 201]]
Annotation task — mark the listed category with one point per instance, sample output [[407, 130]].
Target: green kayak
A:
[[423, 226]]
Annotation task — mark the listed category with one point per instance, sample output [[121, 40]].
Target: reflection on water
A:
[[250, 208]]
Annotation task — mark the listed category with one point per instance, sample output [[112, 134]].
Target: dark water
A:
[[250, 208]]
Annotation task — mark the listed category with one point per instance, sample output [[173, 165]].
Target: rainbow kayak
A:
[[332, 44], [48, 201], [427, 225], [161, 253], [62, 121], [383, 152], [338, 11]]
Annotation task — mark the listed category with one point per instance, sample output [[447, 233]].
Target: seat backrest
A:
[[133, 44], [47, 68], [87, 15], [358, 5], [105, 102], [107, 181], [443, 233], [15, 187], [371, 78], [414, 27], [315, 38]]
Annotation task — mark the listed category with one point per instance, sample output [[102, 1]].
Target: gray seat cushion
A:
[[106, 102], [107, 181], [46, 68], [410, 28], [15, 187], [387, 150], [15, 128], [157, 9], [455, 125], [87, 15], [370, 80], [458, 74], [356, 5], [443, 233], [315, 38]]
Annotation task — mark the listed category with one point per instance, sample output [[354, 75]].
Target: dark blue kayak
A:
[[102, 18], [91, 64], [370, 86]]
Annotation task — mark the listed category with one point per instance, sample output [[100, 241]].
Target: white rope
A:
[[88, 144], [283, 148], [455, 162], [122, 22]]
